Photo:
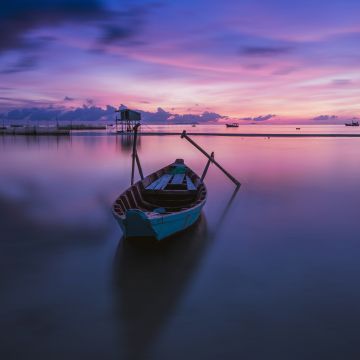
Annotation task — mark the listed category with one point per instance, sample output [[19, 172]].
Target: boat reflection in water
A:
[[150, 278]]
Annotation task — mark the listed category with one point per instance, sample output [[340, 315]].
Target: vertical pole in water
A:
[[134, 155], [139, 166], [207, 167]]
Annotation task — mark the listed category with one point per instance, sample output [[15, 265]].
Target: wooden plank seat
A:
[[160, 183], [189, 184], [178, 179], [163, 182], [153, 184]]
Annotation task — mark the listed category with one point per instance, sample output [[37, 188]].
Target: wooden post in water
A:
[[184, 135], [135, 157], [139, 166], [207, 167]]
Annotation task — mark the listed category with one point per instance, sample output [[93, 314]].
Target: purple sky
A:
[[241, 59]]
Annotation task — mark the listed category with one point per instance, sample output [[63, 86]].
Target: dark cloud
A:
[[94, 113], [18, 8], [164, 117], [205, 117], [325, 117], [160, 116], [114, 33], [24, 64], [18, 17], [21, 17], [265, 50], [84, 113], [18, 114], [259, 118], [88, 113], [264, 118], [8, 102], [33, 114], [68, 98], [125, 27]]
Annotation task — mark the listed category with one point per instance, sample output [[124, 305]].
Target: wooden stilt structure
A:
[[127, 119]]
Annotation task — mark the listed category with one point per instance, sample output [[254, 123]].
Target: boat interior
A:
[[172, 189]]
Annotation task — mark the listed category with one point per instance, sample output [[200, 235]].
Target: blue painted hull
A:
[[137, 223]]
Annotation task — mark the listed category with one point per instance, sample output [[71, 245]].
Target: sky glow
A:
[[296, 59]]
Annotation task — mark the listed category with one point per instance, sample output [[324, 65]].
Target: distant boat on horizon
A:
[[353, 123], [232, 125]]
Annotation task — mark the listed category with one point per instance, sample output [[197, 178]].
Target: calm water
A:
[[272, 275], [255, 128]]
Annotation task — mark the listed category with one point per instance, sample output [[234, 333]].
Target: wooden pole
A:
[[139, 166], [184, 135], [207, 167], [134, 153]]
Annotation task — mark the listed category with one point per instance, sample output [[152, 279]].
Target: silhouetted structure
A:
[[128, 119]]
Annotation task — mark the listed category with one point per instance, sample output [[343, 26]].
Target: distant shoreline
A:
[[85, 131], [245, 134]]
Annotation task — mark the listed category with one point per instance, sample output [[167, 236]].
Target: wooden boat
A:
[[353, 123], [162, 204], [232, 125]]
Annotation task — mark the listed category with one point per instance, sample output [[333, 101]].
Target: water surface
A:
[[273, 275]]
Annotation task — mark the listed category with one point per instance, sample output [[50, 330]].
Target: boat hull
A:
[[137, 223]]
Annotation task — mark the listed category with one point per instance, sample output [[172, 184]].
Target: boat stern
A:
[[136, 224]]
